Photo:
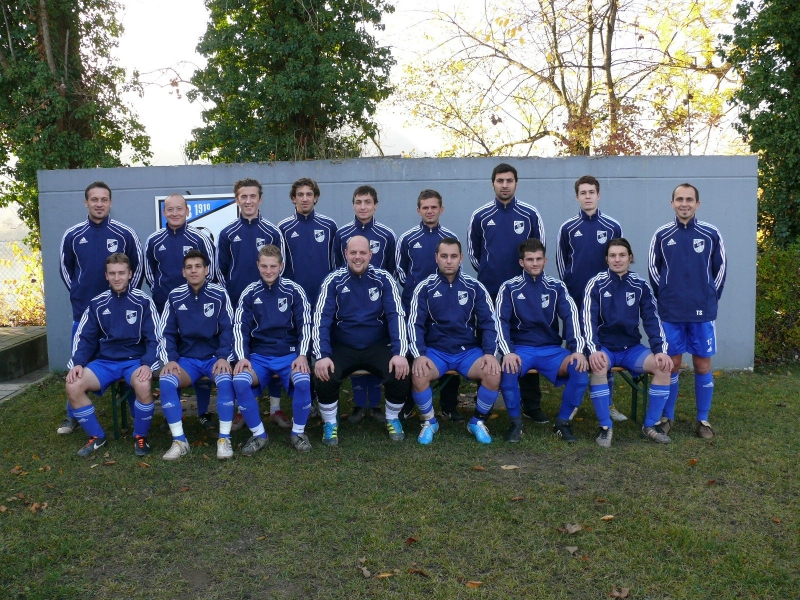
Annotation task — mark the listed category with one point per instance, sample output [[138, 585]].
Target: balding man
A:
[[359, 324]]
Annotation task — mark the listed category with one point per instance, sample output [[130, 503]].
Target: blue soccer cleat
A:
[[428, 429], [330, 434], [480, 432]]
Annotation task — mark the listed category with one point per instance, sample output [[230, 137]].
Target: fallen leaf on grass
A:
[[35, 457], [198, 443], [600, 500], [20, 495], [607, 518], [570, 528], [618, 593], [206, 456], [106, 455], [49, 486], [776, 520], [473, 585], [3, 509], [517, 498], [144, 465], [94, 465], [692, 462], [579, 419], [782, 404], [383, 575], [572, 549], [16, 470], [711, 481], [364, 571], [337, 460], [109, 463], [261, 538], [478, 468], [419, 572], [362, 560], [185, 488], [36, 507], [411, 540], [587, 528], [509, 467]]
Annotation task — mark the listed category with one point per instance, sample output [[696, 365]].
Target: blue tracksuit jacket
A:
[[495, 232], [164, 252], [237, 252], [197, 325], [451, 317], [118, 327], [272, 320], [359, 311], [309, 250], [416, 256], [382, 242], [527, 312], [687, 271], [84, 249], [581, 250], [612, 308]]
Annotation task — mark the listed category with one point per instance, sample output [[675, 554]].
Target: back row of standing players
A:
[[687, 268]]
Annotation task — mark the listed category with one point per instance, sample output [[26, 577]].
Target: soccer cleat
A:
[[536, 415], [703, 430], [238, 422], [207, 421], [301, 442], [665, 425], [563, 430], [141, 447], [253, 445], [178, 449], [330, 434], [426, 435], [92, 446], [314, 412], [224, 448], [280, 419], [514, 433], [405, 415], [376, 413], [480, 432], [655, 434], [395, 430], [454, 415], [616, 415], [68, 425], [603, 437], [357, 415]]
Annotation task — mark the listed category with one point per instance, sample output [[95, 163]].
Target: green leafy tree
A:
[[289, 80], [765, 51], [60, 96]]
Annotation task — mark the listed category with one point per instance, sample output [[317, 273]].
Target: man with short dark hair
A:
[[84, 249], [359, 324], [117, 338]]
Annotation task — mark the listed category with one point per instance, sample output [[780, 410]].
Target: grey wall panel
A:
[[634, 190]]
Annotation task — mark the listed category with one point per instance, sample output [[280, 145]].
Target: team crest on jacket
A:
[[374, 246], [462, 298], [630, 298], [208, 309], [519, 227], [130, 316], [319, 235], [602, 236], [112, 245], [186, 250], [260, 242], [545, 300], [699, 245], [282, 304], [374, 294]]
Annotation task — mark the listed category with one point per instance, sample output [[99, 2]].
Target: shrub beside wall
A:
[[778, 303]]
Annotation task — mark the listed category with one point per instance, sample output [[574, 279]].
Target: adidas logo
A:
[[671, 242], [83, 241], [578, 234], [521, 297], [106, 312], [491, 222], [162, 247], [294, 235], [710, 384], [257, 301], [606, 295], [417, 245], [345, 289], [437, 295], [182, 307], [237, 239]]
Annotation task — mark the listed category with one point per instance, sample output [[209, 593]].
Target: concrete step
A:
[[22, 351]]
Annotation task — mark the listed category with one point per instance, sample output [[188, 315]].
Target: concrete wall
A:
[[634, 190]]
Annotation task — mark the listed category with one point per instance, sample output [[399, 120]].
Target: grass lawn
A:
[[694, 519]]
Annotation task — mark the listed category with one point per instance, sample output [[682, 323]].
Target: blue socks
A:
[[225, 404], [367, 390], [509, 384], [658, 397], [484, 403], [600, 400], [248, 405], [424, 401], [669, 407], [88, 421], [171, 405], [703, 393], [572, 397], [143, 416], [301, 401], [202, 392]]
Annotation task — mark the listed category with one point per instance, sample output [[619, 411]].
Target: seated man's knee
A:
[[142, 390], [242, 383], [491, 381]]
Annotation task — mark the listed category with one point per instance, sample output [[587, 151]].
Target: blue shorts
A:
[[461, 362], [698, 339], [631, 358], [267, 366], [109, 371], [198, 367], [545, 359]]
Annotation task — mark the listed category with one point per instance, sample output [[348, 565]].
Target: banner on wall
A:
[[210, 213]]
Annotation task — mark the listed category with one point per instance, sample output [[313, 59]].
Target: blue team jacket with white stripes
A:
[[612, 308], [239, 243], [197, 325], [581, 250], [310, 253], [416, 256], [495, 232], [164, 252], [687, 271], [528, 309], [451, 317], [272, 320], [118, 327], [359, 311], [382, 242], [84, 249]]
